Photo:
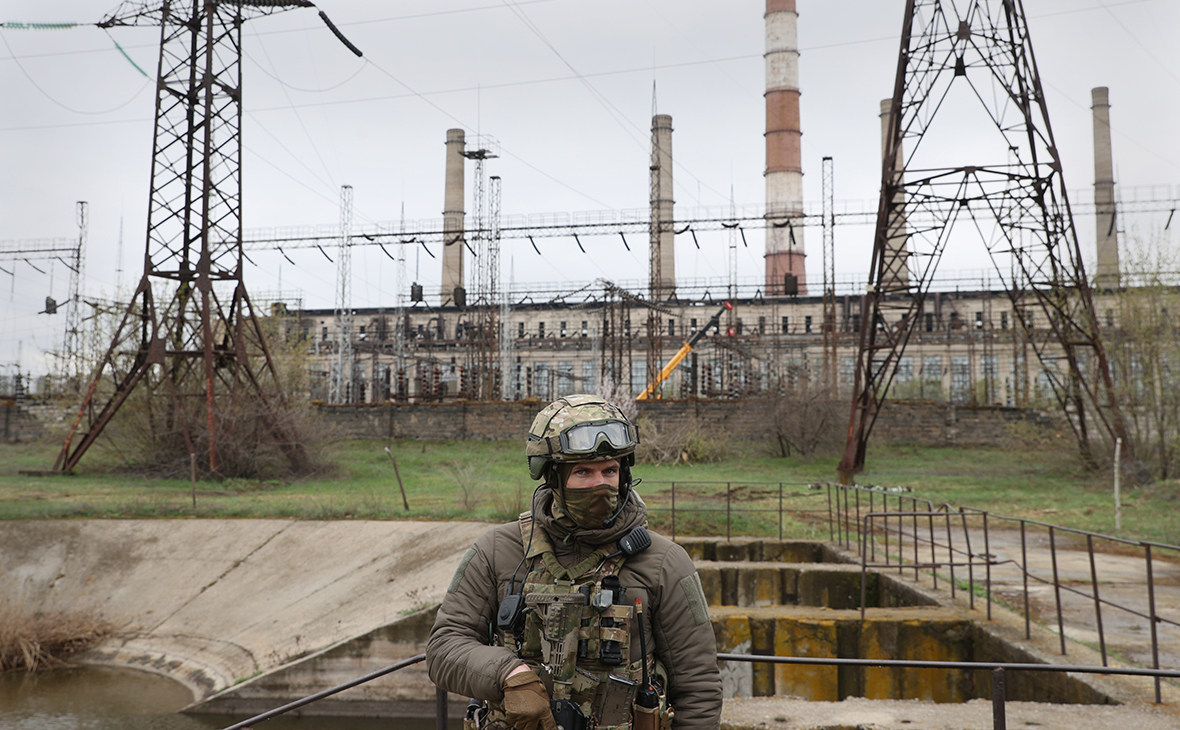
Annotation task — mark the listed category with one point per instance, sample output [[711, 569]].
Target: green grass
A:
[[479, 480]]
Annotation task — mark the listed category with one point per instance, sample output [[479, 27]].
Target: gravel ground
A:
[[771, 713]]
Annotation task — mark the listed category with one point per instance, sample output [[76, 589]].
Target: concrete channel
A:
[[250, 614]]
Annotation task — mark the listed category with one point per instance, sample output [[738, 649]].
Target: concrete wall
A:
[[918, 422]]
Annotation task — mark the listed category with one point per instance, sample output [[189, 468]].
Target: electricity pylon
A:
[[964, 56], [190, 334]]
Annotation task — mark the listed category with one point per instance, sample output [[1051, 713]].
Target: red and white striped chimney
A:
[[784, 156]]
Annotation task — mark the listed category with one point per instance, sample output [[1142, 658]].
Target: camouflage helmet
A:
[[579, 428]]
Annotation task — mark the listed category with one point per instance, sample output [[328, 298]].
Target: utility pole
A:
[[190, 335], [342, 388], [73, 339], [1016, 207]]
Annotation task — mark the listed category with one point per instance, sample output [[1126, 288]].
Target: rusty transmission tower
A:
[[959, 56], [190, 335]]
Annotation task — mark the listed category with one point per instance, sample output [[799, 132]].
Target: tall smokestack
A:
[[452, 258], [897, 271], [1107, 275], [662, 276], [784, 157]]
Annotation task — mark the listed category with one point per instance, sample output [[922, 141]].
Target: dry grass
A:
[[32, 641]]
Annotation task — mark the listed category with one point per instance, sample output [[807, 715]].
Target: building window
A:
[[671, 328], [585, 330], [786, 325], [960, 379], [638, 376], [929, 322], [520, 330], [325, 333], [541, 329], [588, 385], [563, 329], [856, 322], [955, 323], [1003, 320], [692, 325], [565, 378], [1110, 318], [739, 326], [979, 320], [932, 377], [807, 323], [762, 325], [905, 370]]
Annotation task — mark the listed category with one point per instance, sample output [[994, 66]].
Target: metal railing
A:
[[736, 500], [997, 685], [964, 543]]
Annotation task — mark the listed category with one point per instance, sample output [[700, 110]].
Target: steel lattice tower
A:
[[72, 351], [190, 334], [342, 383], [964, 55]]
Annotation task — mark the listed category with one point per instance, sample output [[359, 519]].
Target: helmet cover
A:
[[579, 428]]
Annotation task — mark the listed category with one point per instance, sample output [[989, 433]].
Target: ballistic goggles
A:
[[587, 438]]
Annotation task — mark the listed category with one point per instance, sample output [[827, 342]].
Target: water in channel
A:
[[106, 698]]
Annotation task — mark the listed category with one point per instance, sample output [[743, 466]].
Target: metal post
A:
[[987, 555], [831, 516], [933, 549], [440, 708], [950, 552], [728, 501], [970, 558], [1024, 570], [1056, 587], [999, 719], [673, 511], [1097, 601], [1155, 646], [780, 512]]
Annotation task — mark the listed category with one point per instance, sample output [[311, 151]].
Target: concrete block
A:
[[733, 551], [790, 585], [809, 638], [759, 586], [912, 639], [711, 583]]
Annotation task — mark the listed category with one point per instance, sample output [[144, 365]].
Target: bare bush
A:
[[32, 641], [802, 419], [686, 443], [619, 395], [264, 433], [465, 478]]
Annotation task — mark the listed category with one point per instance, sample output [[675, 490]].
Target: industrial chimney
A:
[[1107, 275], [452, 258], [662, 277], [785, 272]]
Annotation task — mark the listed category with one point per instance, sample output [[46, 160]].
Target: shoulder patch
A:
[[458, 577], [691, 585]]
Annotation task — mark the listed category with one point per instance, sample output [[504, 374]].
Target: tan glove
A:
[[526, 703]]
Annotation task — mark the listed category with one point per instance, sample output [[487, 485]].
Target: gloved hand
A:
[[526, 703]]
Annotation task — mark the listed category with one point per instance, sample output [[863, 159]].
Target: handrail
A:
[[927, 664], [326, 693], [762, 658]]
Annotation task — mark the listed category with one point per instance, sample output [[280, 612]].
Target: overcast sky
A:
[[564, 86]]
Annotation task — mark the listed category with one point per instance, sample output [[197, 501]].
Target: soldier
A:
[[576, 612]]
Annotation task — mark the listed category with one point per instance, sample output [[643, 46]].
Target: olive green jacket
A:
[[460, 659]]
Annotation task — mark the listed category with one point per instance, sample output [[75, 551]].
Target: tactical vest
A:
[[577, 632]]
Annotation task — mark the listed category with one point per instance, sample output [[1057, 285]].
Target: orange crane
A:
[[686, 348]]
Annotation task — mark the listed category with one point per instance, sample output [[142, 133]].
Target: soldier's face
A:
[[587, 475]]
